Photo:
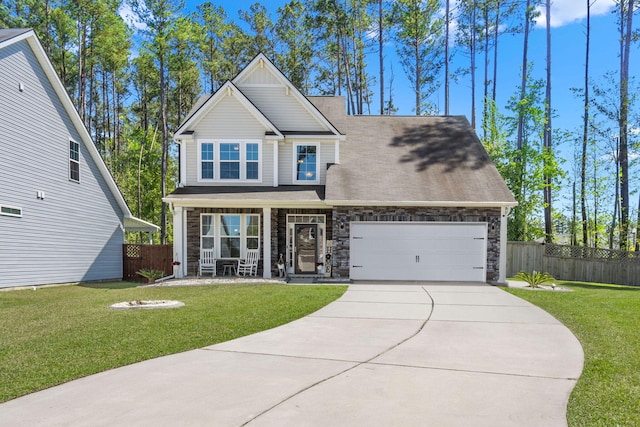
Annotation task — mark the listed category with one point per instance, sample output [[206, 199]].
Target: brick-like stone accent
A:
[[342, 217]]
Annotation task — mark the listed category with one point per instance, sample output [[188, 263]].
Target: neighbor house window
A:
[[74, 161], [10, 211], [306, 162], [229, 161], [230, 234]]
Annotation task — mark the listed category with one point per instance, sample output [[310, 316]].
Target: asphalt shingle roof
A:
[[420, 159], [9, 33]]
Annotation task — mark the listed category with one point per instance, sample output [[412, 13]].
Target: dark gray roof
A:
[[420, 159], [9, 33], [296, 193], [333, 108]]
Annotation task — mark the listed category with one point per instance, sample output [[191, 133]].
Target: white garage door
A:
[[418, 251]]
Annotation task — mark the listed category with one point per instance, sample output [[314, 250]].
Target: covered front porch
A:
[[291, 241]]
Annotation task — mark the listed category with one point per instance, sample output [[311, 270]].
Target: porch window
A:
[[306, 162], [74, 161], [230, 234], [229, 161]]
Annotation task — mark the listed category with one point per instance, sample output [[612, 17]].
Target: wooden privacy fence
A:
[[155, 257], [574, 262]]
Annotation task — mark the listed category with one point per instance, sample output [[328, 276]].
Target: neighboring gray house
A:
[[62, 217], [364, 197]]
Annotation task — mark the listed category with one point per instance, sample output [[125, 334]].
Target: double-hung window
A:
[[306, 167], [223, 161], [74, 161], [231, 235], [206, 160]]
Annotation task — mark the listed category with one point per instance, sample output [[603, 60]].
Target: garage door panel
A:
[[418, 251]]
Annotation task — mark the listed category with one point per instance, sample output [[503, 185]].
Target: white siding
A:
[[229, 119], [283, 109], [75, 233]]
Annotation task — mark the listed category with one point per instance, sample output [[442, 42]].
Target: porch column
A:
[[502, 264], [179, 236], [266, 242]]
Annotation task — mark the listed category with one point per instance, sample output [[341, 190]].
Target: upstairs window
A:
[[74, 161], [206, 156], [306, 163], [252, 160], [229, 161]]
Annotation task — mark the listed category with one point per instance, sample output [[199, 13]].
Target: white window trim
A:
[[295, 163], [243, 160], [217, 235], [3, 213], [73, 160]]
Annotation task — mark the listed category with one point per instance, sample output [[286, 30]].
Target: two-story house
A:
[[361, 197], [62, 217]]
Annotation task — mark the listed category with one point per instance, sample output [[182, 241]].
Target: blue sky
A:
[[568, 37], [568, 44]]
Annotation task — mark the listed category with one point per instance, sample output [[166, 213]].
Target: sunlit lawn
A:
[[606, 320], [56, 334]]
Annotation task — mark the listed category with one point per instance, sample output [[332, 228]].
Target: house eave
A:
[[258, 203], [423, 203]]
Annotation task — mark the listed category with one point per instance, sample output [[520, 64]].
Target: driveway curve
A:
[[388, 354]]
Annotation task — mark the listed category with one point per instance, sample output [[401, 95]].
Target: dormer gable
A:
[[274, 94], [228, 90]]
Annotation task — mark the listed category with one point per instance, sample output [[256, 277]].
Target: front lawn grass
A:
[[606, 320], [57, 334]]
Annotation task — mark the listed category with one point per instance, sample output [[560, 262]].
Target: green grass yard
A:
[[57, 334], [606, 320]]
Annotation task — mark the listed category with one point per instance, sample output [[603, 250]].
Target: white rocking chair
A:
[[249, 265], [207, 262]]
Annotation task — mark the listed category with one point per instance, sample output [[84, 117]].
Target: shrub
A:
[[534, 279]]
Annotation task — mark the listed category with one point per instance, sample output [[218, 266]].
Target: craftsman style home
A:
[[62, 217], [322, 194]]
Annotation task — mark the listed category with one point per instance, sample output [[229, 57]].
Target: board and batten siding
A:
[[76, 232], [228, 120]]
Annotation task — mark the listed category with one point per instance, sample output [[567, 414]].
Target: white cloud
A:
[[565, 12], [126, 13]]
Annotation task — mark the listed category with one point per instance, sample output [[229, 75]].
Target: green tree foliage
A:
[[294, 48], [420, 46]]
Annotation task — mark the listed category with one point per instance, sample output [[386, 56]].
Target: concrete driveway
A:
[[425, 354]]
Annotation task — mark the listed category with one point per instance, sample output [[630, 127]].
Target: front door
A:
[[306, 253]]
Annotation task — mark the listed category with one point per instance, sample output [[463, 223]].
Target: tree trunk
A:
[[623, 127], [548, 223], [381, 56], [165, 147], [585, 136], [446, 57], [473, 65], [523, 83]]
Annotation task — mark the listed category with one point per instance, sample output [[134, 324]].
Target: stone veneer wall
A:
[[342, 216]]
